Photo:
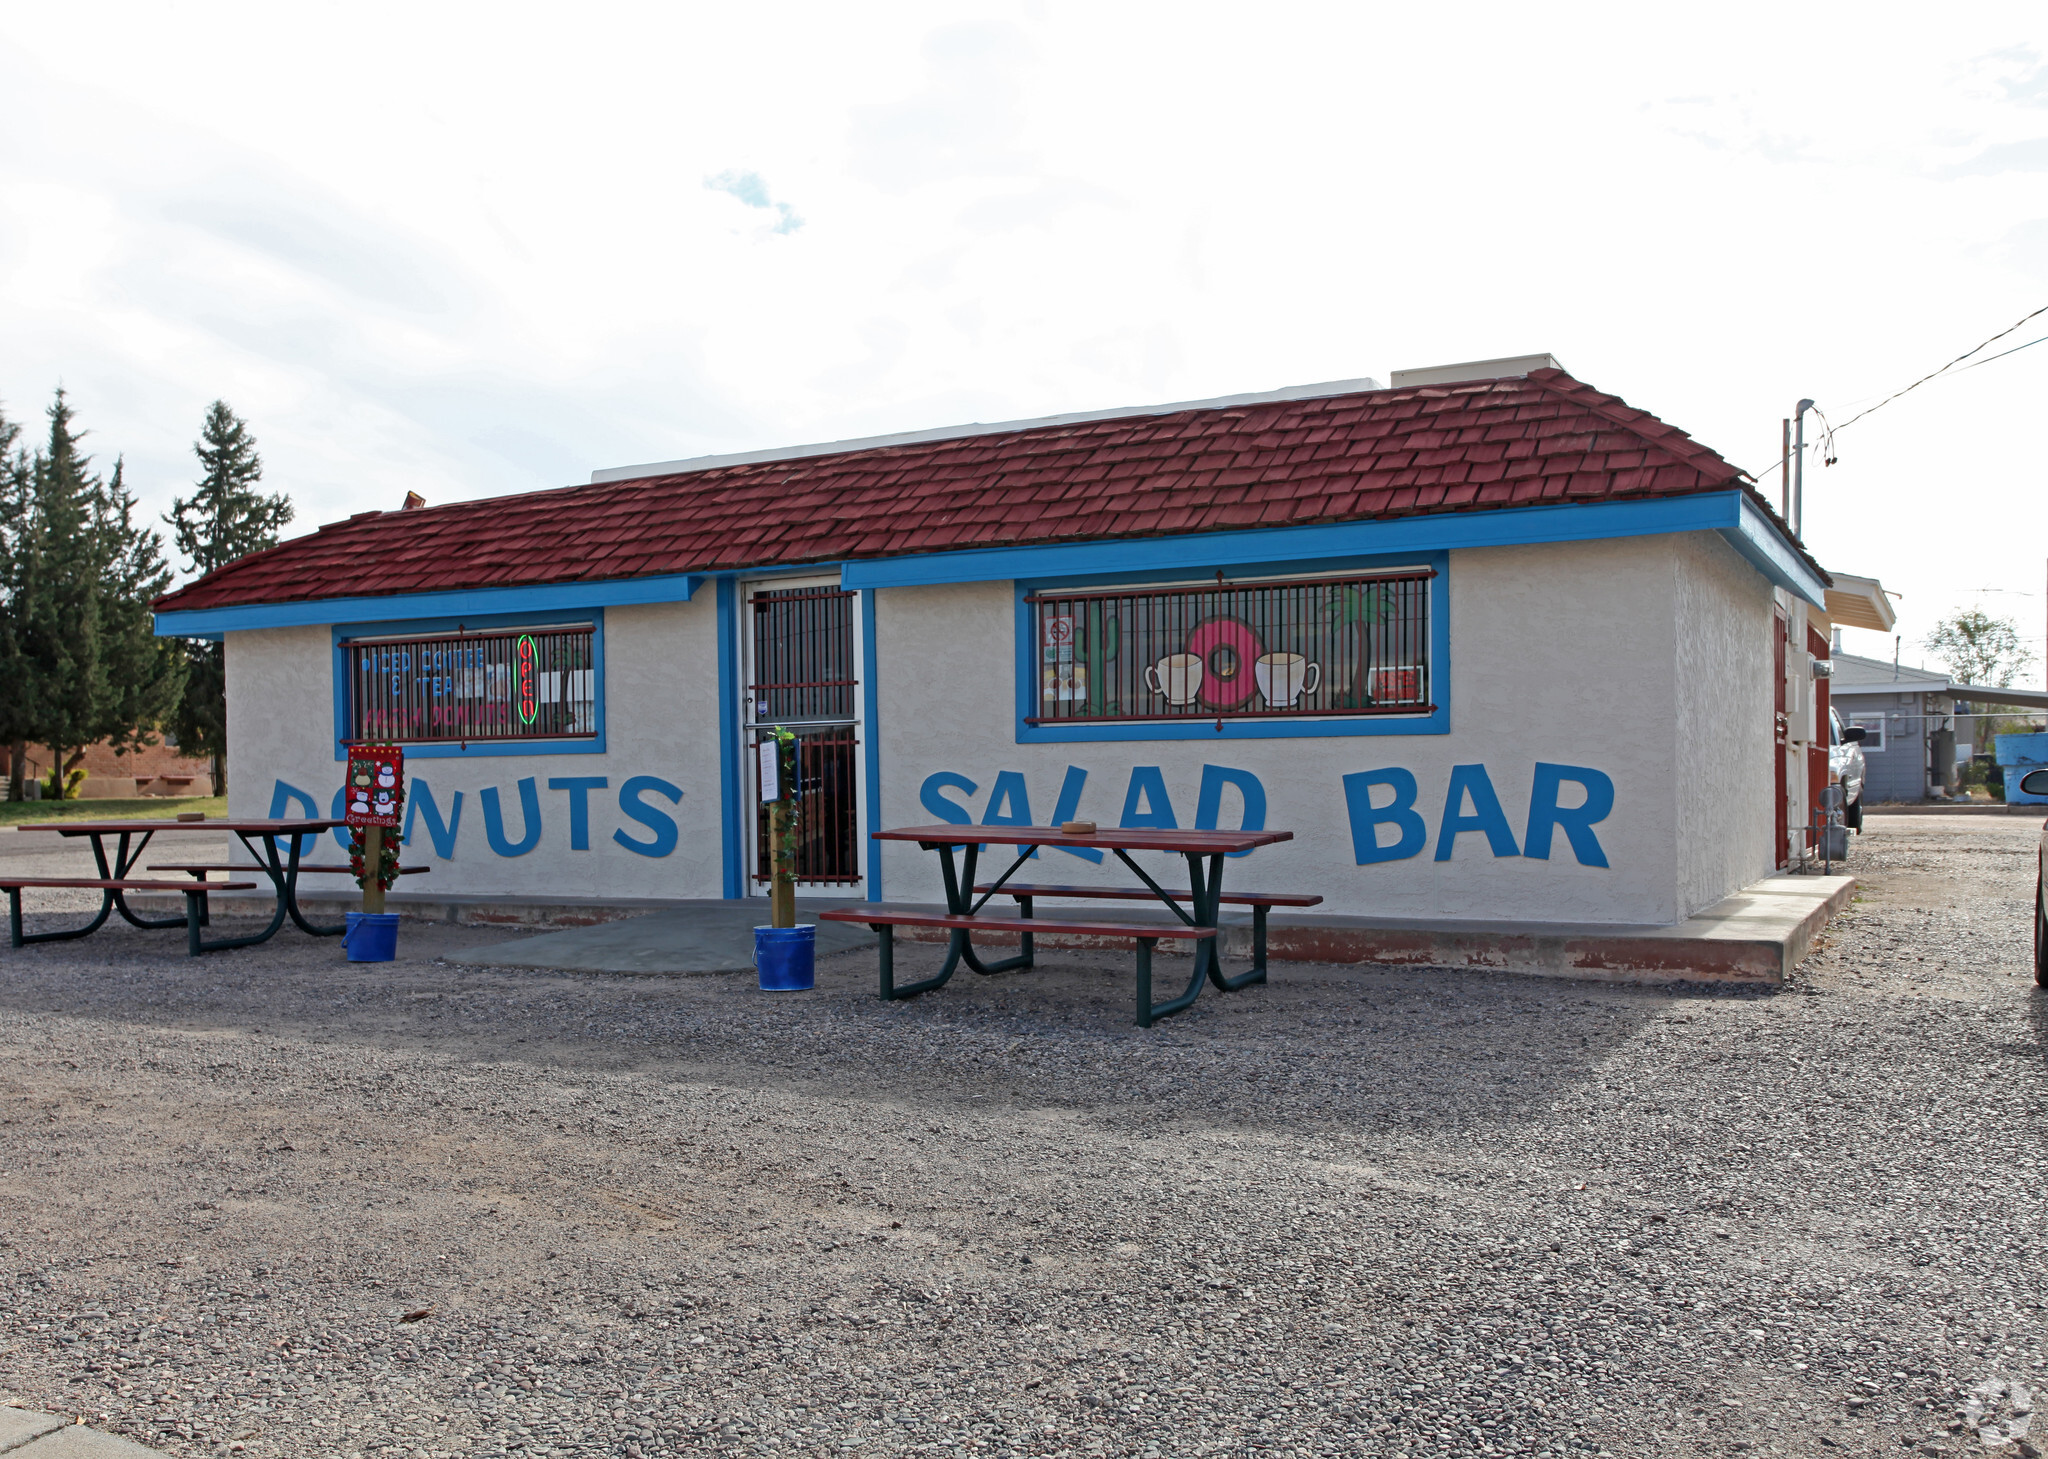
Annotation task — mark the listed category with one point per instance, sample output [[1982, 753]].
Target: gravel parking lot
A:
[[1356, 1212]]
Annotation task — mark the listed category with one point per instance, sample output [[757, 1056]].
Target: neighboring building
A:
[[1920, 723], [110, 773], [1490, 643]]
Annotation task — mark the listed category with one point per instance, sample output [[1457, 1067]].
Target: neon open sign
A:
[[526, 689]]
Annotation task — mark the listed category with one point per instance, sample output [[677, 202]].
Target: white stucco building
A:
[[1490, 643]]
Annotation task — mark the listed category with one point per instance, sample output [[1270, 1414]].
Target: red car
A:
[[2035, 782]]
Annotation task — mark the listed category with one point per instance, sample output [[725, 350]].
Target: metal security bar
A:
[[827, 846], [511, 684], [1331, 646], [803, 655]]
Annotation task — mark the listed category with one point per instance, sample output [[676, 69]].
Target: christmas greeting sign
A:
[[376, 786]]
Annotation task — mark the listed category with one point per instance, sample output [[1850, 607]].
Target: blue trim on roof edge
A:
[[470, 602], [1758, 539], [1727, 512]]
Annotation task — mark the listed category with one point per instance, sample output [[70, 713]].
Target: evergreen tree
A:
[[14, 515], [225, 518], [86, 665], [145, 674], [61, 680]]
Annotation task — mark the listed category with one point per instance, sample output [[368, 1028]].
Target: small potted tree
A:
[[784, 953], [373, 803]]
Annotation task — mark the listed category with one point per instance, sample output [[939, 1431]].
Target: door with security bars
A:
[[801, 648]]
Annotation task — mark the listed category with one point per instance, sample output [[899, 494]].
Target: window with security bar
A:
[[803, 655], [502, 684], [1278, 648]]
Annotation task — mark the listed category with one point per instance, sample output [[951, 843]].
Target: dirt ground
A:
[[1351, 1212]]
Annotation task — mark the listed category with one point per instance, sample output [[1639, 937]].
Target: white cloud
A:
[[488, 259]]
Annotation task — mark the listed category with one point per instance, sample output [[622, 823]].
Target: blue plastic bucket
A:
[[787, 958], [372, 937]]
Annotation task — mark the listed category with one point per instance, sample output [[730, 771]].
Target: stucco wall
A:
[[1564, 654], [1721, 738], [661, 707], [1638, 664]]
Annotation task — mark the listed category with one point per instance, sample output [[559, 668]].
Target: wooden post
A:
[[781, 857], [373, 866]]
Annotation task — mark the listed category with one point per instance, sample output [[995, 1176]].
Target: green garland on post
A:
[[387, 870], [783, 852]]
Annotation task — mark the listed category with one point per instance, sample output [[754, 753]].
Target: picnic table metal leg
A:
[[22, 939], [887, 960], [124, 864], [195, 945], [1208, 895], [960, 903], [286, 879], [205, 909], [195, 918], [1149, 1012]]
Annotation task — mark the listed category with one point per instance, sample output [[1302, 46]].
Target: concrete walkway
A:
[[685, 937], [26, 1434], [1756, 936]]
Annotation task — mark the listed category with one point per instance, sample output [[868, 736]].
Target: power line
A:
[[1827, 440], [2003, 353], [1944, 369]]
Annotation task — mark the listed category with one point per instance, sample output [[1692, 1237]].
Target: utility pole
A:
[[1799, 470], [1785, 470]]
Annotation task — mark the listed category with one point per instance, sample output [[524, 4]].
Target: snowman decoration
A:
[[359, 792], [387, 790]]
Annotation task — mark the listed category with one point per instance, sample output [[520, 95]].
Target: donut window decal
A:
[[1302, 647]]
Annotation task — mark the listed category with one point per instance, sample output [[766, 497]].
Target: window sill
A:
[[1437, 723]]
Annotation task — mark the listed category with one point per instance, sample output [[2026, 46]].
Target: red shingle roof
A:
[[1471, 446]]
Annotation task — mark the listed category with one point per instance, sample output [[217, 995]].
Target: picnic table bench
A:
[[200, 871], [963, 916], [1261, 903], [260, 837], [109, 888]]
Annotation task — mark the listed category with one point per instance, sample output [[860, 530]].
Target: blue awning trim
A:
[[539, 598], [1730, 513]]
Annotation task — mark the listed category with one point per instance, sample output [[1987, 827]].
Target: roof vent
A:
[[1475, 370]]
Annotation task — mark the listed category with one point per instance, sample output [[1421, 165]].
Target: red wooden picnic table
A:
[[1196, 921], [282, 867]]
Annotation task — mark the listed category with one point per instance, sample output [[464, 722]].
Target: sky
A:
[[469, 250]]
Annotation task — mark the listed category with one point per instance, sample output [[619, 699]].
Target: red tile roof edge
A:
[[907, 499]]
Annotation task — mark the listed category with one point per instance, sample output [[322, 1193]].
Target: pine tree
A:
[[145, 674], [14, 515], [225, 518], [85, 663], [61, 680]]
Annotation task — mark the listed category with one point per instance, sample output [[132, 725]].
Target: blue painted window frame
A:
[[1196, 574], [478, 749]]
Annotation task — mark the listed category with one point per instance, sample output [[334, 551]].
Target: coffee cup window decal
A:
[[1178, 677], [1284, 678]]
